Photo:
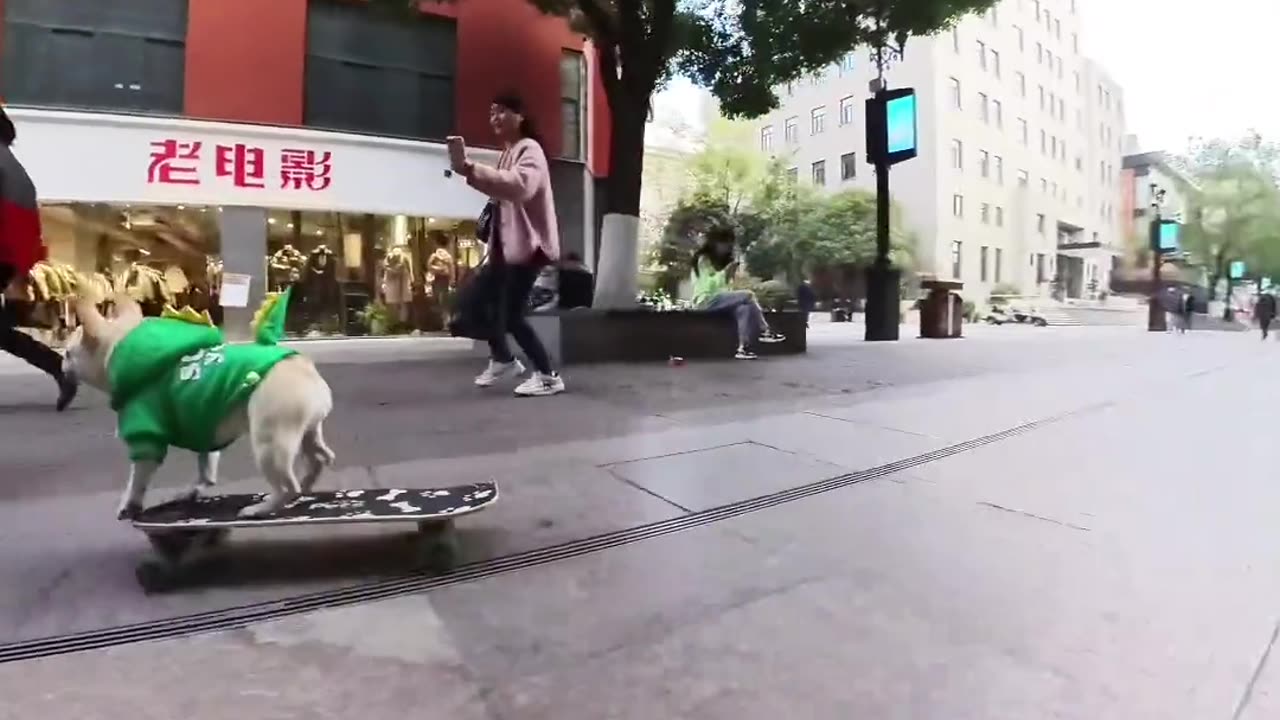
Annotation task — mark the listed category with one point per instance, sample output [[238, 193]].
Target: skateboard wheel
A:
[[216, 538], [437, 547], [171, 546], [155, 578]]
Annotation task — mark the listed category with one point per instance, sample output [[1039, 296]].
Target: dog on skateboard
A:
[[174, 382]]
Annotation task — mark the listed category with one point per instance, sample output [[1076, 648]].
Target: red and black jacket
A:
[[21, 245]]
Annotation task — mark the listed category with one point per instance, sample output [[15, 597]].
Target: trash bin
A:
[[941, 309]]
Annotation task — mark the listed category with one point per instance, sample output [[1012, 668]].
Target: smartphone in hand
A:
[[457, 152]]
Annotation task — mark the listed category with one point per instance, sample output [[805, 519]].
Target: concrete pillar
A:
[[244, 251]]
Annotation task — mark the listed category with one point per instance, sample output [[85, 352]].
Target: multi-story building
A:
[[1017, 180], [205, 151], [1144, 174]]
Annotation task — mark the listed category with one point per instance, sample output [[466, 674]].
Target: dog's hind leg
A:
[[316, 455], [275, 449]]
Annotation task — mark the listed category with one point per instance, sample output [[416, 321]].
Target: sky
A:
[[1188, 68]]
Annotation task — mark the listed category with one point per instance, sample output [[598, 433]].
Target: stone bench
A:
[[577, 337]]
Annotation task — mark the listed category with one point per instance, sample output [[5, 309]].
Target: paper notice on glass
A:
[[235, 290]]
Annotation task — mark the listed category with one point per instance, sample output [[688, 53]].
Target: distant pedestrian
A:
[[21, 247], [806, 299], [1265, 311], [1186, 307]]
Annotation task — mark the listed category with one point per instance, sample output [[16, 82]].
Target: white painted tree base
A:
[[617, 272]]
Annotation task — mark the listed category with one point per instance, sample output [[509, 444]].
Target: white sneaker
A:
[[745, 354], [539, 385], [499, 371]]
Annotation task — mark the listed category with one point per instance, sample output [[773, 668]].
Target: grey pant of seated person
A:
[[751, 322]]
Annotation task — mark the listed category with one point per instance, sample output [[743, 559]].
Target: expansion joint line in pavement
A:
[[242, 616]]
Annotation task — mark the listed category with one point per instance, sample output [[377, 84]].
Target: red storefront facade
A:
[[98, 90]]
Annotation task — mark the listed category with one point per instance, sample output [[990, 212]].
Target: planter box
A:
[[576, 337]]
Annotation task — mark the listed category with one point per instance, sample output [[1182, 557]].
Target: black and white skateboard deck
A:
[[182, 528]]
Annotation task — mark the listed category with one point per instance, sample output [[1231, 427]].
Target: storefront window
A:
[[159, 255], [362, 274], [352, 274]]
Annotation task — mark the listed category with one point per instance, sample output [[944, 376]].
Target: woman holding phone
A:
[[713, 268], [523, 237]]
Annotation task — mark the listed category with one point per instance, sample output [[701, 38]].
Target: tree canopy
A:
[[784, 229], [1234, 212]]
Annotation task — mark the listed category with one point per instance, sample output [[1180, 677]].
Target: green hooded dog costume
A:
[[173, 379]]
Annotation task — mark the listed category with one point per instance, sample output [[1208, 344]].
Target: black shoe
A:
[[68, 386]]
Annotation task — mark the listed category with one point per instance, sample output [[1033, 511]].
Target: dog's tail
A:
[[268, 322]]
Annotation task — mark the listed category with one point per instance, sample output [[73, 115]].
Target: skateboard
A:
[[183, 529]]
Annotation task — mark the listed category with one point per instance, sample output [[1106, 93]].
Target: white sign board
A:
[[235, 290], [106, 158]]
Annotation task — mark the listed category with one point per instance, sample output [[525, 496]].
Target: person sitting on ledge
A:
[[713, 268]]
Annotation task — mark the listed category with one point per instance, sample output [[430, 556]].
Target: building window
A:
[[982, 55], [791, 131], [817, 120], [957, 205], [573, 101], [956, 259], [1022, 83], [984, 108], [1044, 142], [766, 138], [819, 172], [1040, 277], [984, 163], [1040, 53], [1024, 178], [956, 101], [1076, 74], [846, 63], [1042, 97], [999, 170], [1057, 28], [847, 110], [100, 54], [957, 155], [1075, 43], [1044, 186], [1040, 223], [982, 263], [997, 111], [985, 213], [848, 166], [1022, 130], [1022, 37], [999, 218], [995, 62], [955, 39], [793, 174], [999, 264], [377, 74]]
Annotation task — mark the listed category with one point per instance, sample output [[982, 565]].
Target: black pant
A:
[[20, 344], [1264, 323], [508, 288]]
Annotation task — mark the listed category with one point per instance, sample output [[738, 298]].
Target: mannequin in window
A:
[[284, 268], [397, 282], [320, 287]]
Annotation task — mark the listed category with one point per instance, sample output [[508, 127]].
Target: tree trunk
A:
[[617, 281]]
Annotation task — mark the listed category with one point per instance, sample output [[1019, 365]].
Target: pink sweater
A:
[[527, 213]]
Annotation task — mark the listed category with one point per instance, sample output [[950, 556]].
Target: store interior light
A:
[[319, 232], [270, 221], [182, 207]]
